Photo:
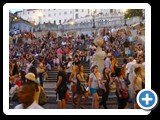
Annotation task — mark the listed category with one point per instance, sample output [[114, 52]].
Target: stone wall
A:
[[22, 25], [78, 29]]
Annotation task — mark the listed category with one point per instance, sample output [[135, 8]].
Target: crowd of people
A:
[[31, 58]]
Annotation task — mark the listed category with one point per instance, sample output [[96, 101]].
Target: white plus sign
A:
[[147, 99]]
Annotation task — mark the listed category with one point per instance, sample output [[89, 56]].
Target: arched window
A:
[[54, 22], [111, 10]]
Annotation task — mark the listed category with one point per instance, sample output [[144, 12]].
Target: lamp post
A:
[[39, 16], [93, 11], [124, 11]]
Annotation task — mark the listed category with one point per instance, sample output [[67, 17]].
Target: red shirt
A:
[[67, 51]]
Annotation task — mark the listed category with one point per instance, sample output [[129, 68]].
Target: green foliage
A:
[[133, 13]]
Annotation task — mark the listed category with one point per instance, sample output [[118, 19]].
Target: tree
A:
[[133, 12]]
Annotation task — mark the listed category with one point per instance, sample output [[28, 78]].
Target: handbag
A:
[[99, 90], [39, 70], [43, 98], [124, 93]]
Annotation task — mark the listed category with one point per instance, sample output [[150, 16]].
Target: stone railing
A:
[[98, 24]]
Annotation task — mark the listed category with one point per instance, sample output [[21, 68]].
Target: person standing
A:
[[94, 80], [81, 87], [73, 81], [138, 82], [120, 86], [61, 87], [126, 47], [40, 74], [106, 81]]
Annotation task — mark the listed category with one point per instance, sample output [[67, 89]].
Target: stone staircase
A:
[[52, 74], [50, 83], [112, 100]]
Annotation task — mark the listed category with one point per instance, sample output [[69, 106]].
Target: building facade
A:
[[64, 16]]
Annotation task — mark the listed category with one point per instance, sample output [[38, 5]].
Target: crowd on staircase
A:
[[30, 61]]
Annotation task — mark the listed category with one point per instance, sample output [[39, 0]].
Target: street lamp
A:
[[39, 16], [71, 23], [124, 11], [49, 20], [93, 11]]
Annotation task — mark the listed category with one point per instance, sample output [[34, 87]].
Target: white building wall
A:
[[60, 14]]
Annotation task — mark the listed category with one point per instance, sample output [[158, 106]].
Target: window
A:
[[54, 22], [48, 9], [59, 21], [49, 15], [65, 13], [76, 10], [82, 10], [111, 10], [76, 16]]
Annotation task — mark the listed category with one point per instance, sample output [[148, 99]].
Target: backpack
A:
[[43, 98]]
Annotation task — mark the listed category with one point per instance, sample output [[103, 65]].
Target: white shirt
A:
[[108, 62], [63, 43], [128, 66], [106, 38], [134, 61], [94, 83], [34, 105], [69, 65]]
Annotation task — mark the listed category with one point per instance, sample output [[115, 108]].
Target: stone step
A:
[[52, 75], [52, 72], [56, 71], [52, 93], [111, 99], [50, 80], [52, 89], [89, 102]]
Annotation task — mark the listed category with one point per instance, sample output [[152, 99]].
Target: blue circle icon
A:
[[147, 99]]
